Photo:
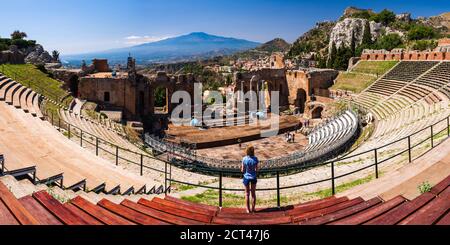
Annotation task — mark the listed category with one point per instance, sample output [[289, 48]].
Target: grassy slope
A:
[[362, 75], [354, 82], [40, 82], [374, 67]]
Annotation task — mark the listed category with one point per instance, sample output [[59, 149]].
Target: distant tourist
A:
[[250, 168]]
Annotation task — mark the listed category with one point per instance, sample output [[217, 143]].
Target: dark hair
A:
[[250, 151]]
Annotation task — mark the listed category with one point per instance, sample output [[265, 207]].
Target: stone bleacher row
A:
[[31, 146], [402, 111], [407, 71], [438, 78], [430, 208], [386, 97], [332, 131], [19, 96], [97, 130]]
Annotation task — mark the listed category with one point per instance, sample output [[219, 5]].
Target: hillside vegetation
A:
[[30, 76], [374, 67], [362, 75]]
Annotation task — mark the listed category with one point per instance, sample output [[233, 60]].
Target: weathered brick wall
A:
[[411, 55]]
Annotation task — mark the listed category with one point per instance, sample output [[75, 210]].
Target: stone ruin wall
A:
[[296, 86], [442, 54]]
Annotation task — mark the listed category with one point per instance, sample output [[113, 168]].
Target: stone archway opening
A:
[[317, 113], [161, 100], [300, 100], [73, 85]]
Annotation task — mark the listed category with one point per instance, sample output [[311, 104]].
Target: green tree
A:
[[55, 55], [332, 55], [353, 44], [389, 42], [385, 17], [424, 45], [367, 35], [418, 32], [18, 35], [340, 61]]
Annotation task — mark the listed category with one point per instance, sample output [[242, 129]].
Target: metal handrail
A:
[[285, 170]]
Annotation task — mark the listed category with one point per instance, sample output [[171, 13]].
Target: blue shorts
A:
[[248, 181]]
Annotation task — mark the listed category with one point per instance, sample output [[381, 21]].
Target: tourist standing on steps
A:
[[250, 168]]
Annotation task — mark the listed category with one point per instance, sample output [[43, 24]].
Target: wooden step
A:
[[400, 212], [370, 213], [343, 213], [431, 212], [130, 214], [180, 201], [308, 207], [166, 217], [441, 186], [252, 221], [17, 209], [99, 213], [6, 217], [80, 213], [327, 210], [38, 211], [445, 220], [58, 210], [192, 207], [179, 210]]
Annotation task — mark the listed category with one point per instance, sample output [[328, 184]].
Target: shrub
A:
[[424, 45], [418, 32], [385, 17], [3, 46], [389, 42], [424, 187]]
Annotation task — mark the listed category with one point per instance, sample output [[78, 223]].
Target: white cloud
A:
[[136, 40]]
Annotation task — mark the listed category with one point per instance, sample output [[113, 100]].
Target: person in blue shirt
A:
[[250, 168]]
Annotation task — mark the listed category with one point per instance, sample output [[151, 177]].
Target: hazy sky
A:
[[77, 26]]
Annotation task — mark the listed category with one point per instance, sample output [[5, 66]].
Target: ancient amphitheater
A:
[[77, 171]]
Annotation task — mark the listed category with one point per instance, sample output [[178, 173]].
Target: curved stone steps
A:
[[17, 97], [3, 91], [76, 161]]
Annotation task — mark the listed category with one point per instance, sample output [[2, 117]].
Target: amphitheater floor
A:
[[265, 148], [221, 136]]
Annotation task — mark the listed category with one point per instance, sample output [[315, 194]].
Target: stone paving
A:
[[265, 148]]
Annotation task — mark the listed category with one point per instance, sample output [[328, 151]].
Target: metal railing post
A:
[[220, 190], [278, 190], [59, 124], [96, 146], [52, 118], [165, 177], [142, 164], [81, 138], [376, 163], [333, 189], [68, 131], [432, 134], [117, 156], [170, 174], [409, 148], [448, 126]]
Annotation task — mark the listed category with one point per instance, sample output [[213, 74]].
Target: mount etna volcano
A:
[[186, 47]]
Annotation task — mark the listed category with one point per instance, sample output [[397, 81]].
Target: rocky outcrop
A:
[[12, 56], [441, 22], [38, 56], [341, 34]]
